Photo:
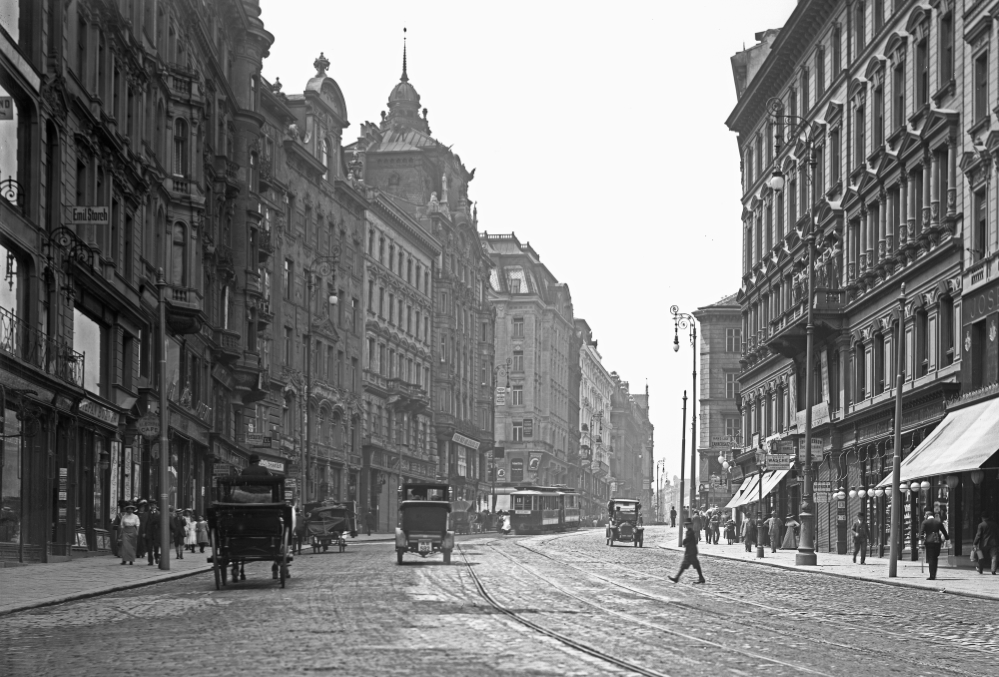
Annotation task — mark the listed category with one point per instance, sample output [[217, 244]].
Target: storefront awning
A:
[[773, 480], [964, 440], [744, 496]]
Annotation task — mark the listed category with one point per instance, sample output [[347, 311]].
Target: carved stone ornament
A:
[[54, 97]]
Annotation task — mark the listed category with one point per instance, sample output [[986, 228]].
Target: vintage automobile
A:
[[424, 521], [462, 516], [250, 522], [625, 524], [327, 522]]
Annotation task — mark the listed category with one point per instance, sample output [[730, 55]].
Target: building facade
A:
[[631, 444], [400, 443], [423, 177], [896, 103], [596, 388], [144, 113], [720, 421], [534, 325]]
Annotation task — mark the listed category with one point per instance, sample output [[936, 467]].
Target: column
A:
[[924, 221], [935, 190], [882, 216], [951, 176]]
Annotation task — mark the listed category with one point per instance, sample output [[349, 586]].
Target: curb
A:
[[897, 584], [52, 601]]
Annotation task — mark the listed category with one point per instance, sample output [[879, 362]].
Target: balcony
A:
[[248, 381], [786, 333], [184, 310], [30, 346], [229, 348], [265, 314]]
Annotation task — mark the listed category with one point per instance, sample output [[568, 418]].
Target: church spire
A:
[[405, 77]]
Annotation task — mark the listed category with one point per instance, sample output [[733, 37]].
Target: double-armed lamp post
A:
[[687, 321], [806, 546]]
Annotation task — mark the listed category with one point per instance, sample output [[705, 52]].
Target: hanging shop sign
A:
[[272, 465], [465, 441], [535, 461], [149, 425], [500, 396]]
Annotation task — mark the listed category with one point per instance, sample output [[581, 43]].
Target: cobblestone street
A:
[[564, 604]]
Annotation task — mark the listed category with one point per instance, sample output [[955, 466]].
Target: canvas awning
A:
[[964, 440], [773, 480], [746, 495]]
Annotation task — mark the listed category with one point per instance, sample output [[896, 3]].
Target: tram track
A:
[[558, 636], [756, 624]]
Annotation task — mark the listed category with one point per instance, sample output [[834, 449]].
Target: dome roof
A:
[[404, 93]]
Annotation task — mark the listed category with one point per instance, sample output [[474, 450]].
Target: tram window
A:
[[518, 502]]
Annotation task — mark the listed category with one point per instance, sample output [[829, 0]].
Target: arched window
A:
[[325, 148], [178, 255], [180, 141]]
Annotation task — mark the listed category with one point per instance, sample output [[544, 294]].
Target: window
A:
[[462, 461], [860, 127], [981, 109], [922, 343], [879, 116], [898, 96], [792, 102], [325, 152], [518, 396], [518, 327], [980, 225], [518, 360], [178, 256], [804, 92], [90, 337], [881, 361], [820, 73], [289, 347], [733, 340], [780, 216], [879, 15], [947, 330], [922, 74], [733, 428], [518, 431], [861, 382], [759, 155], [834, 150], [860, 28], [731, 385], [288, 278], [946, 48], [180, 143], [837, 50]]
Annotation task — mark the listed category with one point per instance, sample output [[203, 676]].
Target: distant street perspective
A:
[[542, 605]]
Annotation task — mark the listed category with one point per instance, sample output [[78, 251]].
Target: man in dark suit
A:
[[934, 534], [151, 534], [690, 539], [987, 540]]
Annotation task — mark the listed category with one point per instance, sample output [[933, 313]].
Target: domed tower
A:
[[404, 103]]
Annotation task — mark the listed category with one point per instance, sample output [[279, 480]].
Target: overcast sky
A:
[[598, 135]]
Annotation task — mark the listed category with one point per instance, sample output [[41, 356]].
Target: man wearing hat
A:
[[255, 468], [143, 515], [689, 554], [152, 535]]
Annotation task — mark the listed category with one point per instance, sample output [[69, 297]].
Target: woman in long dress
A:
[[129, 535], [190, 531], [202, 529], [791, 535]]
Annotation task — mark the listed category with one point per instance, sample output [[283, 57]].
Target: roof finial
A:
[[404, 78]]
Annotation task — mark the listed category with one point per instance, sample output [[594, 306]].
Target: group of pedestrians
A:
[[139, 531]]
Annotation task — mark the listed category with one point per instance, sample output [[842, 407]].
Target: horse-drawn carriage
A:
[[327, 522], [250, 522], [625, 522]]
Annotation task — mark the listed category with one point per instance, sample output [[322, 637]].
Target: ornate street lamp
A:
[[687, 321], [806, 545]]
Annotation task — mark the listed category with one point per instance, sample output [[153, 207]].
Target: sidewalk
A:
[[910, 574], [36, 585]]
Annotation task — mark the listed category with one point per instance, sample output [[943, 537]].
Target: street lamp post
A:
[[683, 462], [687, 321], [761, 461], [806, 545], [894, 547], [164, 459]]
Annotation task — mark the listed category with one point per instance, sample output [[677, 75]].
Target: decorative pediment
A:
[[788, 165], [935, 119], [918, 25], [875, 71], [895, 48], [978, 35], [834, 113], [857, 92]]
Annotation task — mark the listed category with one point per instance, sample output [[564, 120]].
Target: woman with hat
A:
[[129, 535], [190, 530], [791, 535]]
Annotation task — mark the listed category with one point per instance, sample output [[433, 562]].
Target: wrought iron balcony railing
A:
[[51, 355]]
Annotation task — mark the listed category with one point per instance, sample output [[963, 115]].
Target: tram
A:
[[542, 510]]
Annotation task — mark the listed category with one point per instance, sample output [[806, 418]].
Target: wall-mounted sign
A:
[[528, 428], [272, 465], [465, 441], [6, 108], [92, 216], [99, 412], [535, 461]]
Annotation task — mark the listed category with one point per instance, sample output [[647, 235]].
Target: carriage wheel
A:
[[447, 557], [216, 569], [343, 545], [224, 572], [398, 556]]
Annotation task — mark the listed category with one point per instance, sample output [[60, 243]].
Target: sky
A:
[[598, 135]]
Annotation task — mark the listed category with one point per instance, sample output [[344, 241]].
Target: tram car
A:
[[543, 510]]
